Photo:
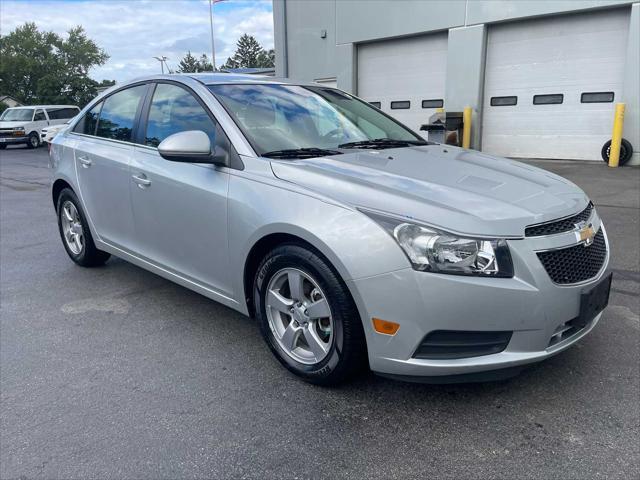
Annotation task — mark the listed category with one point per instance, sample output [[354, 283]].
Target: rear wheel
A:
[[2, 146], [308, 317], [75, 234], [33, 141]]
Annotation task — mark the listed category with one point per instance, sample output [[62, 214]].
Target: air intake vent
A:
[[450, 344]]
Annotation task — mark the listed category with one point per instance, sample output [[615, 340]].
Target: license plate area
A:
[[594, 301]]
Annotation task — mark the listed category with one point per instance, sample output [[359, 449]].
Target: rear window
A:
[[62, 113], [119, 113]]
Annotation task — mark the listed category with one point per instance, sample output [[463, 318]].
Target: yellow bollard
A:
[[466, 127], [616, 136]]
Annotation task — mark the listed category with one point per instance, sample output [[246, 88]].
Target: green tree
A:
[[191, 64], [188, 64], [250, 54], [42, 67]]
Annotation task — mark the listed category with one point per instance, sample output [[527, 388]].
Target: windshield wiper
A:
[[301, 153], [382, 143]]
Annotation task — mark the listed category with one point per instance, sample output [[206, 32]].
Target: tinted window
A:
[[503, 101], [62, 113], [119, 113], [436, 103], [39, 116], [173, 110], [551, 99], [596, 97], [87, 123]]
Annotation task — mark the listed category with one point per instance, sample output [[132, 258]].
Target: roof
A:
[[47, 106], [215, 78], [253, 71]]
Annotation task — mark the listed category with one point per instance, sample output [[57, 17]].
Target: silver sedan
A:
[[352, 241]]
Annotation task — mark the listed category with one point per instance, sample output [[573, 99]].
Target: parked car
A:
[[47, 133], [349, 238], [24, 124]]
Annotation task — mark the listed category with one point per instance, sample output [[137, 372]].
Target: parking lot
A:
[[116, 372]]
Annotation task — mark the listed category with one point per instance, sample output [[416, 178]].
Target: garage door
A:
[[550, 85], [405, 77]]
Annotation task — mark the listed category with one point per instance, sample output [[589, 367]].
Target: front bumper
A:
[[530, 305], [13, 140]]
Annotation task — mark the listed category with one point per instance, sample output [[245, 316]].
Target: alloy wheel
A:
[[72, 227], [299, 316]]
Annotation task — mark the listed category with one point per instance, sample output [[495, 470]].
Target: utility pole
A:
[[213, 48]]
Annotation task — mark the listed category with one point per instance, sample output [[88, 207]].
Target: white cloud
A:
[[134, 31]]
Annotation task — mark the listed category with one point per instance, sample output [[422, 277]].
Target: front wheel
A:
[[307, 316], [33, 141]]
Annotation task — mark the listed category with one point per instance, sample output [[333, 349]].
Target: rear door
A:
[[180, 209], [103, 150]]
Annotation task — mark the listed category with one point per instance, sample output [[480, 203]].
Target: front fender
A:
[[355, 245]]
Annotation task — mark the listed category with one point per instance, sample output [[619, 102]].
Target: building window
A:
[[436, 103], [504, 101], [551, 99], [400, 105], [596, 97], [376, 104]]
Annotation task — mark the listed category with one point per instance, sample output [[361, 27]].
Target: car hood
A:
[[459, 190], [5, 124]]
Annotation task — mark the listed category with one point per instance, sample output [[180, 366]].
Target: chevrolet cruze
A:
[[350, 239]]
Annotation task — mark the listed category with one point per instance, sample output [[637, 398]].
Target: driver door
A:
[[180, 209]]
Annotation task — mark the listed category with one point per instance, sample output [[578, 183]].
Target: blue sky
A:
[[133, 31]]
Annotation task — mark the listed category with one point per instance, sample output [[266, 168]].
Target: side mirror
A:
[[192, 146]]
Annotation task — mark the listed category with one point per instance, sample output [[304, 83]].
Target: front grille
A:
[[575, 264], [6, 133], [449, 344], [559, 226]]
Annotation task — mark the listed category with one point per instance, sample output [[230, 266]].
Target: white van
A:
[[24, 124]]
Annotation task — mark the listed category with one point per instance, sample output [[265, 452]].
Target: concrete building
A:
[[542, 77]]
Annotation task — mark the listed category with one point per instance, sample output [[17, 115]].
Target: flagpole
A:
[[213, 49]]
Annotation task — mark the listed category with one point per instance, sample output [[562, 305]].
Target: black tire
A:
[[89, 255], [33, 141], [626, 151], [348, 353], [3, 146]]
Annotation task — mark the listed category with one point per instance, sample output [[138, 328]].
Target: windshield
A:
[[291, 117], [17, 115]]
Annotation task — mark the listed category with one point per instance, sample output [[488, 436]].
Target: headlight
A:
[[432, 250], [18, 129]]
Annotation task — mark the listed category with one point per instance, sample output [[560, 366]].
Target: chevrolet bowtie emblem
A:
[[585, 234]]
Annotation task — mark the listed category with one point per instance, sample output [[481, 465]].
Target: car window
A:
[[119, 113], [62, 113], [173, 109], [281, 117], [17, 115], [39, 116], [87, 123]]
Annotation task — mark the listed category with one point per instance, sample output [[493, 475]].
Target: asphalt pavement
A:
[[115, 372]]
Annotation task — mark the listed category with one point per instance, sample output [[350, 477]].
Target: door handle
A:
[[85, 161], [142, 180]]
